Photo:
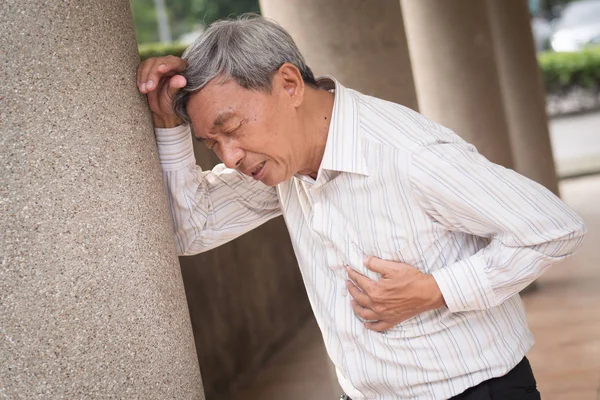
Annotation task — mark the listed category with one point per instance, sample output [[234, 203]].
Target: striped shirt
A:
[[394, 185]]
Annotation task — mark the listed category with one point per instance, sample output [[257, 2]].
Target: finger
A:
[[150, 74], [175, 83], [379, 326], [162, 85], [377, 265], [172, 64], [143, 70], [167, 89], [155, 75], [358, 295], [163, 67], [165, 101], [145, 73], [153, 101], [363, 312], [362, 282]]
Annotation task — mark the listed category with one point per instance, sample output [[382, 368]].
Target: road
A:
[[576, 144]]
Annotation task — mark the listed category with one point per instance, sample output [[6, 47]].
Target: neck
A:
[[318, 112]]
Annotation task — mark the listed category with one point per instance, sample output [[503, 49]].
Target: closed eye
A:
[[234, 130], [210, 143]]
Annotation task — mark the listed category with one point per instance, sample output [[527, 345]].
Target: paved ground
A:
[[564, 312], [576, 144]]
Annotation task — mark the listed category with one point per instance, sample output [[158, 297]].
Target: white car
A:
[[577, 27], [542, 31]]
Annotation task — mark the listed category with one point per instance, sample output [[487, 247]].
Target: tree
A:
[[144, 18], [185, 15]]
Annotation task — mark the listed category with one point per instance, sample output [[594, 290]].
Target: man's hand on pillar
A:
[[158, 78]]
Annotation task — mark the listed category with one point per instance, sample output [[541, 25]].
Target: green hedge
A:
[[561, 70], [565, 70], [148, 50]]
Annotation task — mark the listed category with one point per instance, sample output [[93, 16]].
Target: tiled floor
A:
[[563, 313]]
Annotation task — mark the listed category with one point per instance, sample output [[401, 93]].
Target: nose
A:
[[231, 156]]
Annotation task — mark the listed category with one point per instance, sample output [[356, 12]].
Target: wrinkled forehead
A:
[[216, 100], [220, 102]]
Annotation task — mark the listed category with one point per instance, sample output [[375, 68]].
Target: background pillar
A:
[[360, 43], [92, 303], [522, 91], [455, 74]]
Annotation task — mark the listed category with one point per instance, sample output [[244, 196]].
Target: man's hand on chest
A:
[[401, 293]]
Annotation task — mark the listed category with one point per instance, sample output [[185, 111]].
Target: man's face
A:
[[253, 132]]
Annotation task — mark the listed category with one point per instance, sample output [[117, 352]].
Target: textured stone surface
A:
[[361, 43], [92, 303], [522, 91], [452, 55], [246, 299]]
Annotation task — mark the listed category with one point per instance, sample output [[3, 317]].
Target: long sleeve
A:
[[528, 227], [209, 208]]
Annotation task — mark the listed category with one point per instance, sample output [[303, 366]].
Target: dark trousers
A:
[[518, 384]]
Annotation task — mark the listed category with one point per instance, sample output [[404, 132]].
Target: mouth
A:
[[258, 171]]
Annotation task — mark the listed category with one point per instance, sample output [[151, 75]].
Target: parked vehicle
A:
[[577, 27], [542, 31]]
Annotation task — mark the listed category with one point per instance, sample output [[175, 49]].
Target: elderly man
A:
[[413, 247]]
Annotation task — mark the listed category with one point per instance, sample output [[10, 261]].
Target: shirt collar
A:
[[343, 149]]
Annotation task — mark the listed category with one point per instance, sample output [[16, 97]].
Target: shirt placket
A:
[[320, 224]]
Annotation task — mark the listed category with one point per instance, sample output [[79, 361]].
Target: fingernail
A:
[[365, 260], [161, 65], [149, 84], [144, 87]]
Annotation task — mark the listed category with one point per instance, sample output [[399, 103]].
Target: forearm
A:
[[208, 208], [529, 229], [499, 271]]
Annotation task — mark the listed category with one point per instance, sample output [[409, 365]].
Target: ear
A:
[[292, 83]]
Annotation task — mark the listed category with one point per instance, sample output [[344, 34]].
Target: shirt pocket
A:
[[412, 327], [356, 255]]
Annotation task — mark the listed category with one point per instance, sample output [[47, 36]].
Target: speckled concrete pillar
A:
[[522, 90], [361, 43], [456, 78], [92, 304]]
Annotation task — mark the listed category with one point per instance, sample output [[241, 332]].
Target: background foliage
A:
[[185, 15], [562, 71]]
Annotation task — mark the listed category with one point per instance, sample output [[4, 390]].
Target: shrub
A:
[[148, 50], [562, 71]]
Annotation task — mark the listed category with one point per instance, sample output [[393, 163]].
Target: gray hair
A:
[[249, 50]]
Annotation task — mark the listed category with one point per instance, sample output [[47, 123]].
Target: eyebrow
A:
[[221, 119]]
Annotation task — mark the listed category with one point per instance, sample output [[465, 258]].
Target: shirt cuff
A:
[[175, 147], [464, 285]]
